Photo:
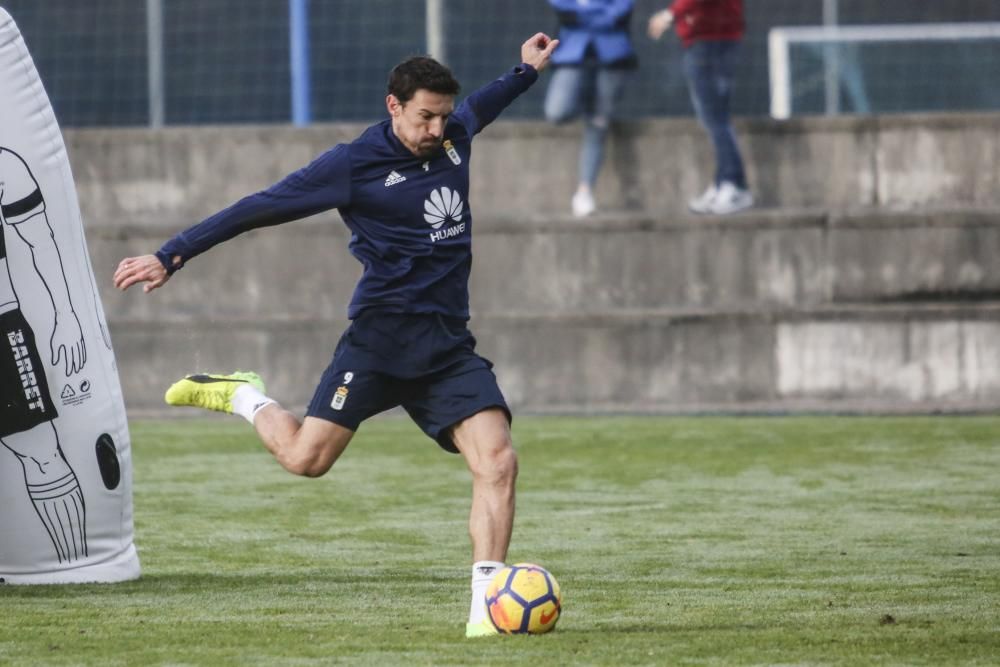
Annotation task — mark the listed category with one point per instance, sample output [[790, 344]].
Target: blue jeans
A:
[[708, 67], [593, 91]]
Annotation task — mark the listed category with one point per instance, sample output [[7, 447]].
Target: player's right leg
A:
[[309, 448], [211, 391], [306, 448]]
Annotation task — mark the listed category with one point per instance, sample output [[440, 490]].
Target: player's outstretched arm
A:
[[537, 50], [143, 269], [484, 105]]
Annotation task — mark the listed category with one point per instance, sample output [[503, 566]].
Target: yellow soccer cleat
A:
[[212, 392], [481, 629]]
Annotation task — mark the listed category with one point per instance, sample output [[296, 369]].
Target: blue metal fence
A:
[[302, 61]]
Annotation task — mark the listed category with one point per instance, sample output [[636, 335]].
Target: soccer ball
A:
[[523, 598]]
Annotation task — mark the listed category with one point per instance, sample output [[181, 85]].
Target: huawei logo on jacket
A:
[[444, 206]]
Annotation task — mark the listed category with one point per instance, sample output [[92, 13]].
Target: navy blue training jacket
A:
[[410, 219]]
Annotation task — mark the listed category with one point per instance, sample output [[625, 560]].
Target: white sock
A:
[[482, 575], [248, 401]]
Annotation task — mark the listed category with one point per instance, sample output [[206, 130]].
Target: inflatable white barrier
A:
[[65, 456]]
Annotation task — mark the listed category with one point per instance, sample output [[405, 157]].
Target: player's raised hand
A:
[[143, 269], [537, 50]]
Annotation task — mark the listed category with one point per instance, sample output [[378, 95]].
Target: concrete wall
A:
[[528, 169], [872, 286]]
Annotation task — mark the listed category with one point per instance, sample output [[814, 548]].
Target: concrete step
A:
[[524, 168], [777, 258], [869, 358]]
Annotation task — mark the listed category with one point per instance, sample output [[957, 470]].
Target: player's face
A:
[[419, 123]]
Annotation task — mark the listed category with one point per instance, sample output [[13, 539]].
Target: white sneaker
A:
[[702, 202], [730, 199], [583, 204]]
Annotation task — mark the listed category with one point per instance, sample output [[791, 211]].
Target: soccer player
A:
[[402, 188], [27, 413]]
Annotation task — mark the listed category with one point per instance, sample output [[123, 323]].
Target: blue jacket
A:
[[599, 28]]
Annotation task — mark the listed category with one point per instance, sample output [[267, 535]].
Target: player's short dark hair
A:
[[421, 72]]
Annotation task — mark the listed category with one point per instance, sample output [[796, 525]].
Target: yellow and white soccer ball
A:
[[523, 599]]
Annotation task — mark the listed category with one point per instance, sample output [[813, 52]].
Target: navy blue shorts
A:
[[425, 363]]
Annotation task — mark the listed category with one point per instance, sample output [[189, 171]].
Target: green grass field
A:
[[718, 541]]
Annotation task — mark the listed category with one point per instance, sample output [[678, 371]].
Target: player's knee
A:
[[308, 461], [311, 467], [509, 465], [314, 462], [314, 448], [499, 466]]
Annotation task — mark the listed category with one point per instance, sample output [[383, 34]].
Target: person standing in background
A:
[[711, 31], [592, 62]]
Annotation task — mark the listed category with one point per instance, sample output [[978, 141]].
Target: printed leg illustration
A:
[[53, 488]]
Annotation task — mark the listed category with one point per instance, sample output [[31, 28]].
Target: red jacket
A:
[[699, 20]]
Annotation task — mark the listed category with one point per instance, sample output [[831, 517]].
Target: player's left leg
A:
[[484, 441], [463, 409]]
